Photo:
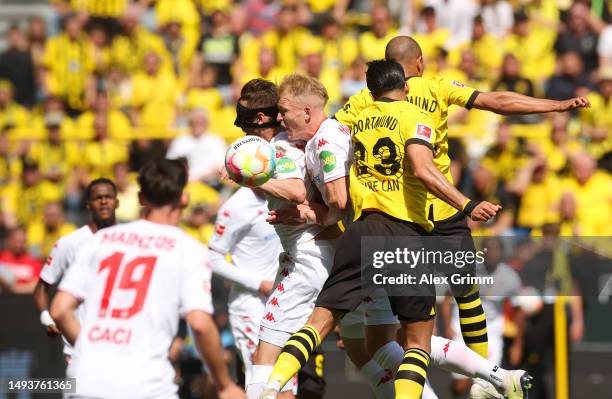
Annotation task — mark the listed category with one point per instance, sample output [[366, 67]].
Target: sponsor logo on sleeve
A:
[[285, 165], [328, 160], [457, 84], [345, 129], [423, 132]]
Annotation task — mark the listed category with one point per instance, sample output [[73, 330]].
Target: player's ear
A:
[[420, 65], [259, 118], [184, 200], [116, 203], [307, 113], [141, 199]]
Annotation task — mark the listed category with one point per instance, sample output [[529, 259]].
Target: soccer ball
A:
[[250, 161]]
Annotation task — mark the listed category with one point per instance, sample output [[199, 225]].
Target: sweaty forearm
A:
[[507, 103], [291, 190], [41, 295], [438, 185]]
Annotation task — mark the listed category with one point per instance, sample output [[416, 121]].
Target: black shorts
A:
[[311, 379], [453, 234], [344, 289]]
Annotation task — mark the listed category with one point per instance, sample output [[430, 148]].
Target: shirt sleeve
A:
[[458, 94], [223, 268], [78, 277], [348, 114], [229, 229], [56, 264], [418, 128], [195, 291], [332, 151]]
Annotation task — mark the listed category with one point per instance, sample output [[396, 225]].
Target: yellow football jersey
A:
[[381, 177], [433, 96]]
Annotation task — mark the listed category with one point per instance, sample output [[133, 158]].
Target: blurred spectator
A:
[[145, 150], [203, 91], [118, 124], [267, 68], [53, 114], [561, 146], [597, 120], [101, 53], [179, 46], [485, 48], [592, 190], [17, 66], [37, 37], [262, 15], [10, 164], [604, 47], [457, 17], [129, 48], [286, 39], [42, 235], [340, 50], [579, 37], [68, 66], [103, 13], [313, 65], [13, 117], [497, 16], [204, 151], [26, 199], [505, 157], [101, 154], [218, 47], [198, 223], [433, 38], [127, 193], [510, 78], [354, 78], [372, 42], [533, 46], [155, 93], [569, 80], [24, 266]]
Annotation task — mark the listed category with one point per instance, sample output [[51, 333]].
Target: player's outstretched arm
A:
[[206, 337], [62, 311], [292, 190], [41, 300], [508, 103], [223, 268], [421, 160]]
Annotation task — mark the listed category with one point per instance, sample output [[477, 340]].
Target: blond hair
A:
[[303, 86]]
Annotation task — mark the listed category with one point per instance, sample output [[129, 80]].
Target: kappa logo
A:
[[445, 349], [226, 213], [219, 229], [423, 131], [321, 143], [367, 299], [274, 302], [269, 316], [280, 288], [285, 272], [248, 330], [386, 378], [456, 83]]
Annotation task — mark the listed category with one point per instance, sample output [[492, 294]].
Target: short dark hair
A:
[[162, 182], [383, 76], [259, 93], [96, 182]]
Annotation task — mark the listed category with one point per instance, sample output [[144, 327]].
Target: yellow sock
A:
[[295, 354], [473, 323], [411, 374]]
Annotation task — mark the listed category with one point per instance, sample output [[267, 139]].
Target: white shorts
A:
[[245, 330], [300, 278], [377, 309]]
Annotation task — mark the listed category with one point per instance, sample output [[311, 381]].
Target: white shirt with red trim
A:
[[135, 280], [63, 253], [329, 154], [242, 231], [291, 164]]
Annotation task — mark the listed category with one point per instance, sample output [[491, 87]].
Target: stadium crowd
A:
[[106, 85]]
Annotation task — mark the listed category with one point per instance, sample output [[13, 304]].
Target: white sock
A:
[[380, 380], [259, 379], [428, 392], [457, 357], [389, 356]]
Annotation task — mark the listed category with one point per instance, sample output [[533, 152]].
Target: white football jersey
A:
[[63, 253], [59, 260], [291, 164], [329, 154], [242, 231], [135, 280]]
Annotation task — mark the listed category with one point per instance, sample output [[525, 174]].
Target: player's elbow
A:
[[422, 172], [498, 102], [201, 323], [59, 310], [298, 195]]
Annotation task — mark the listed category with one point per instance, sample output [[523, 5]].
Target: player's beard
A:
[[103, 223]]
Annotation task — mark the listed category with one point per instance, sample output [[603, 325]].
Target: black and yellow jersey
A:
[[434, 96], [381, 178]]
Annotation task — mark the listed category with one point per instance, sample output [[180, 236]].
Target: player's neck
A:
[[397, 95], [168, 215]]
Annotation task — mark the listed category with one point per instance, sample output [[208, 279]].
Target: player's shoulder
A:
[[75, 238], [331, 129], [363, 96], [241, 203], [286, 148]]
